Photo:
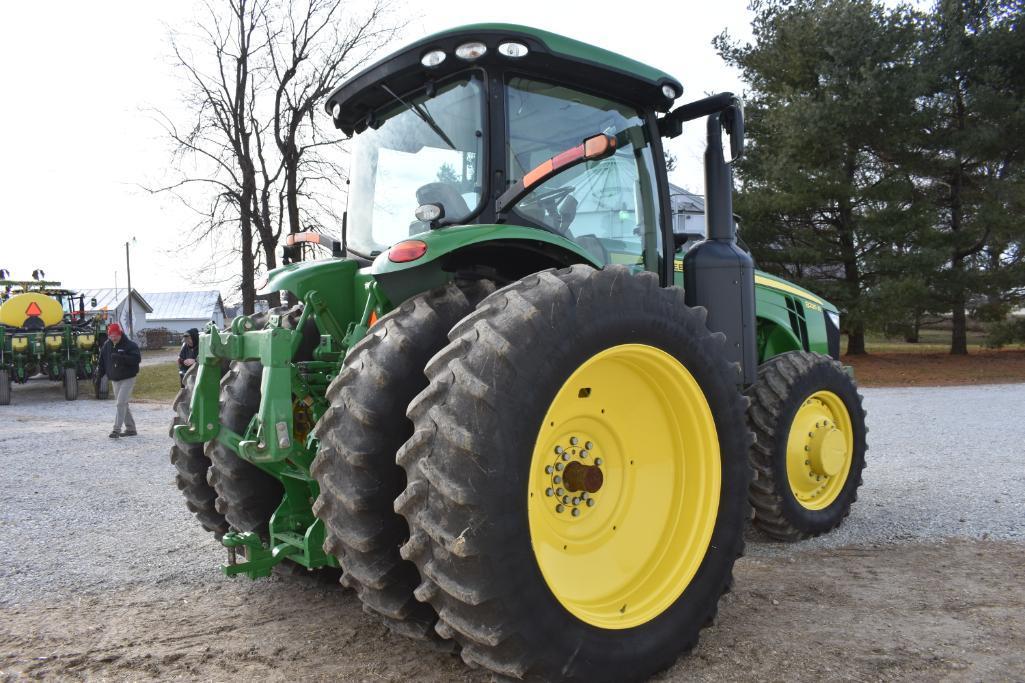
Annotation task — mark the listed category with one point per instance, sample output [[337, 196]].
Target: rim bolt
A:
[[576, 501], [584, 454], [565, 455], [559, 508], [590, 502], [558, 450], [574, 441], [597, 461], [565, 499], [807, 448], [807, 462], [810, 434], [584, 495], [589, 445], [576, 512], [549, 492], [559, 491], [559, 466], [557, 479], [548, 469]]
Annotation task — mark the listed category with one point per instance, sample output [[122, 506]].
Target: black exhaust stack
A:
[[718, 274]]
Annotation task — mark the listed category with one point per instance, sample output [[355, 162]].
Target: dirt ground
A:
[[911, 368], [908, 612]]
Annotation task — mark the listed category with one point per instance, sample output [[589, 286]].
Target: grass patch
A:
[[157, 382]]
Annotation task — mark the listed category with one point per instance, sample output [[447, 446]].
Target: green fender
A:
[[403, 280]]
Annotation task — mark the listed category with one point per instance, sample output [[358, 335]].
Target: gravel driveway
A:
[[106, 574]]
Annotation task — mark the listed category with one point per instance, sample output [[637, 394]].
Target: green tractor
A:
[[44, 331], [513, 407]]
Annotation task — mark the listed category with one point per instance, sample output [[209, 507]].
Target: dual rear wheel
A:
[[573, 483]]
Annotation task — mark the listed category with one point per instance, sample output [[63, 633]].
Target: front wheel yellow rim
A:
[[820, 449], [624, 485]]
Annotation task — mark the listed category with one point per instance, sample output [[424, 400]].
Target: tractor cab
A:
[[486, 125]]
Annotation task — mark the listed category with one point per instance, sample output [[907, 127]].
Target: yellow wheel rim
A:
[[820, 449], [624, 483]]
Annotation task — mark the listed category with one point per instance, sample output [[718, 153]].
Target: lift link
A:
[[270, 441]]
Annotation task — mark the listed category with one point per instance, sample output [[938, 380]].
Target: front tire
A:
[[519, 572], [809, 449]]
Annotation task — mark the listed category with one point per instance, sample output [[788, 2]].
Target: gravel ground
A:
[[100, 551]]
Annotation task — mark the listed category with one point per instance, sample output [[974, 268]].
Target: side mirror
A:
[[92, 302], [733, 121]]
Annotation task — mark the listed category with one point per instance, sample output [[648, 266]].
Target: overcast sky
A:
[[79, 76]]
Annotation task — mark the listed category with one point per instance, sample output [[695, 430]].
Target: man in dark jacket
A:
[[189, 352], [119, 361]]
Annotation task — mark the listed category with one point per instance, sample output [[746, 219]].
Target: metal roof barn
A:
[[179, 311]]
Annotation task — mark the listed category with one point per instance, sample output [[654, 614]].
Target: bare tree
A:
[[249, 159]]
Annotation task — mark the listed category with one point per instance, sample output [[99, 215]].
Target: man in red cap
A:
[[119, 361]]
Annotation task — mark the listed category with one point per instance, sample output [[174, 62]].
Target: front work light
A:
[[669, 91], [471, 51]]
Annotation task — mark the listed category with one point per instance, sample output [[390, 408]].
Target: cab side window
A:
[[607, 206]]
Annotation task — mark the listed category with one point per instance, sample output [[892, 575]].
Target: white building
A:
[[180, 311], [114, 303]]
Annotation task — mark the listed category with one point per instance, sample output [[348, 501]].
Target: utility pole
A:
[[128, 264]]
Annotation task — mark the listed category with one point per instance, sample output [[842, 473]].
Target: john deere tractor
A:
[[44, 331], [518, 411]]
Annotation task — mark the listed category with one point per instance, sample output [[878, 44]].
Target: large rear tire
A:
[[192, 466], [607, 386], [809, 449], [359, 436]]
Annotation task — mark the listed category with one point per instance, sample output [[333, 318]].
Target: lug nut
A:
[[597, 461], [549, 492], [589, 445], [559, 491], [576, 512], [574, 440], [559, 508], [584, 495], [576, 501], [559, 466], [558, 449], [565, 455], [557, 479], [565, 499], [590, 502], [584, 454], [548, 470]]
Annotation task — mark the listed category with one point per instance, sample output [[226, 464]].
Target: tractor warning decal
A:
[[33, 310]]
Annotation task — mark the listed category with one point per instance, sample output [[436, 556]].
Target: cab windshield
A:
[[426, 149]]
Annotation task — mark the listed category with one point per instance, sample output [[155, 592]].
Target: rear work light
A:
[[433, 58], [407, 251], [471, 51], [514, 50]]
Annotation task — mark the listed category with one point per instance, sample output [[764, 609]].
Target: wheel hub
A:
[[572, 482], [827, 450]]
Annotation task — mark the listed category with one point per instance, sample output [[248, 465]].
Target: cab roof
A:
[[549, 55]]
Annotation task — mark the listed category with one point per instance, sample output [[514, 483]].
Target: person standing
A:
[[189, 352], [119, 361]]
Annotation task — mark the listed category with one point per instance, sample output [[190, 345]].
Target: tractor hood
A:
[[548, 55]]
